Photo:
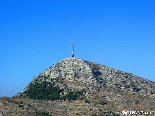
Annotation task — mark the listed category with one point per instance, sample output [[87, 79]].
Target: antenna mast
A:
[[72, 50]]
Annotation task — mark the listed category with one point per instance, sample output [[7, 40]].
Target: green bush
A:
[[45, 114], [86, 101], [48, 90], [73, 95], [42, 91], [103, 102], [93, 115]]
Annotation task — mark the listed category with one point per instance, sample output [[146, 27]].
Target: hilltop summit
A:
[[70, 69]]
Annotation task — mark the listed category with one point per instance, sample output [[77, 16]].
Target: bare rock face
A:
[[74, 69], [70, 69]]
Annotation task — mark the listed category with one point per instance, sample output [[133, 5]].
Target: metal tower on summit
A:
[[72, 50]]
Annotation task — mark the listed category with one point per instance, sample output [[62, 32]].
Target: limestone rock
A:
[[74, 69]]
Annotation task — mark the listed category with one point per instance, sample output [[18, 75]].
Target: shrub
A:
[[42, 91], [86, 101], [93, 115]]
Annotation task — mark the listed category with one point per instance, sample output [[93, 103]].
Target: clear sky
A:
[[35, 34]]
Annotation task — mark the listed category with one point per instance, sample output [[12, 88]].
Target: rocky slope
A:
[[106, 90], [77, 70]]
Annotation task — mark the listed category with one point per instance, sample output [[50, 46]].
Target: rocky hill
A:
[[78, 87], [81, 71]]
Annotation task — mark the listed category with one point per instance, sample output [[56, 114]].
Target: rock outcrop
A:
[[74, 69]]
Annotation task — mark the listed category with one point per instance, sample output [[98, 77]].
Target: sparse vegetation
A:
[[86, 101], [45, 114], [74, 95], [93, 115], [103, 102], [109, 114]]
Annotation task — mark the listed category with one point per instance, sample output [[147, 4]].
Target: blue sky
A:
[[36, 34]]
